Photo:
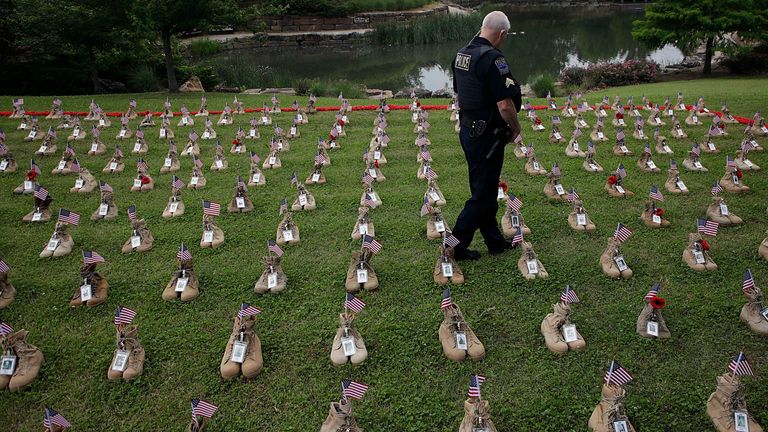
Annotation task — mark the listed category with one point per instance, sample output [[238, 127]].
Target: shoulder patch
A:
[[502, 66], [462, 61]]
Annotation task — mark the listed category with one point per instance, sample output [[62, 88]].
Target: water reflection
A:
[[542, 40]]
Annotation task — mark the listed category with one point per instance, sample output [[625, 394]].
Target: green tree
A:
[[686, 23], [169, 18]]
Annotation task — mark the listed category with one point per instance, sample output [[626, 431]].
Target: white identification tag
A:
[[172, 207], [102, 122], [181, 284], [137, 147], [193, 181], [741, 421], [113, 166], [252, 133], [103, 209], [162, 133], [624, 149], [461, 340], [764, 313], [414, 116], [362, 228], [682, 186], [43, 148], [570, 111], [23, 126], [652, 327], [287, 235], [238, 352], [303, 199], [36, 216], [575, 146], [447, 269], [656, 219], [272, 160], [344, 118], [536, 166], [698, 165], [135, 241], [620, 263], [271, 280], [651, 164], [524, 149], [206, 135], [434, 196], [557, 135], [695, 119], [559, 189], [79, 183], [137, 183], [293, 131], [168, 162], [640, 133], [184, 121], [348, 344], [581, 219], [540, 127], [219, 163], [362, 275], [122, 133], [32, 134], [711, 146], [569, 333], [439, 226], [593, 167], [373, 196], [376, 155], [670, 112], [265, 119], [735, 178], [533, 266], [27, 185], [500, 194], [94, 147], [7, 365], [515, 221], [53, 244], [699, 256], [620, 426], [256, 177], [208, 236], [240, 202], [85, 292], [667, 149], [315, 177], [582, 123], [3, 165], [338, 128], [602, 112], [62, 164], [372, 172], [621, 122], [280, 145], [619, 189], [748, 162], [121, 361], [299, 117], [723, 209]]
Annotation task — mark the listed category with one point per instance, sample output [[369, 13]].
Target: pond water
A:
[[542, 40]]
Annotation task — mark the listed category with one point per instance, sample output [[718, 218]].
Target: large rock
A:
[[192, 85], [406, 92], [378, 94], [284, 91], [443, 93]]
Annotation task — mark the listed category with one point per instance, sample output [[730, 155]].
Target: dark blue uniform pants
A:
[[480, 209]]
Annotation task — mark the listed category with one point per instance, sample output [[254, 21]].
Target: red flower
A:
[[145, 179], [31, 175], [619, 115], [612, 180], [330, 138], [235, 141], [503, 186], [658, 303], [537, 121], [659, 211], [376, 163], [739, 174], [721, 125], [341, 122], [418, 103], [704, 244]]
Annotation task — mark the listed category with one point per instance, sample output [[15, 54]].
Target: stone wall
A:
[[275, 42], [358, 21]]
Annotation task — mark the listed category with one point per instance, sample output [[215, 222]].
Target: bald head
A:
[[495, 27]]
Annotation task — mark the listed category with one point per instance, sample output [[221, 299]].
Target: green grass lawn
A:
[[413, 386]]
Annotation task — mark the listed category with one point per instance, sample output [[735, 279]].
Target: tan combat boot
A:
[[578, 219], [447, 270], [304, 200], [60, 243], [253, 361], [127, 340], [360, 274], [754, 314], [476, 416], [363, 224], [41, 213], [7, 291], [727, 399], [610, 410], [355, 352], [99, 287], [287, 230], [189, 287], [454, 332], [719, 212], [28, 362], [107, 203], [696, 254], [273, 278], [340, 418], [208, 241], [141, 238], [529, 265], [85, 183], [650, 314], [609, 261], [652, 216]]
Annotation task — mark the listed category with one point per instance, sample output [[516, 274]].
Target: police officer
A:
[[489, 99]]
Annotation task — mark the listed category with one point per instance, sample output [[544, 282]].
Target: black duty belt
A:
[[476, 127]]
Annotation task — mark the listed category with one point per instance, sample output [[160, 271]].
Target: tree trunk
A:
[[708, 55], [95, 76], [173, 86]]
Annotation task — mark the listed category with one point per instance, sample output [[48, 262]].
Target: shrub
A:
[[543, 84], [208, 76], [752, 61], [619, 74], [204, 47], [302, 86], [143, 79], [573, 76]]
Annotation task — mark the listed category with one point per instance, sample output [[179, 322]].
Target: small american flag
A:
[[183, 254], [353, 389], [622, 233], [69, 151], [4, 267], [518, 238], [590, 148], [193, 136], [617, 375], [368, 201], [573, 195], [177, 183], [707, 227], [52, 418], [748, 284], [255, 158], [621, 171], [430, 173], [320, 158], [475, 381], [656, 193], [52, 132], [696, 150], [33, 167], [240, 183], [519, 139], [555, 120], [620, 136], [294, 179], [5, 328], [714, 131], [353, 303], [247, 310], [740, 366], [672, 164], [203, 409], [653, 292], [132, 212], [198, 162], [274, 248], [118, 151], [569, 295], [450, 240], [75, 165], [171, 148], [132, 103], [104, 187], [140, 134], [90, 257], [446, 303], [283, 206], [647, 148], [556, 170], [40, 192], [365, 156], [729, 162], [425, 154], [124, 316], [371, 243], [367, 177], [576, 133], [211, 208], [716, 188], [334, 133], [69, 217], [425, 207]]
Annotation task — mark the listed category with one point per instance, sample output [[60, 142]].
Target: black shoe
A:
[[467, 255], [507, 246]]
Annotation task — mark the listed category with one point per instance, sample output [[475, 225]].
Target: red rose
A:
[[612, 180], [659, 211], [704, 244], [739, 174], [619, 115], [235, 142], [658, 303], [31, 175], [721, 126], [376, 163], [341, 122], [537, 121], [330, 138], [418, 103], [145, 180], [503, 186]]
